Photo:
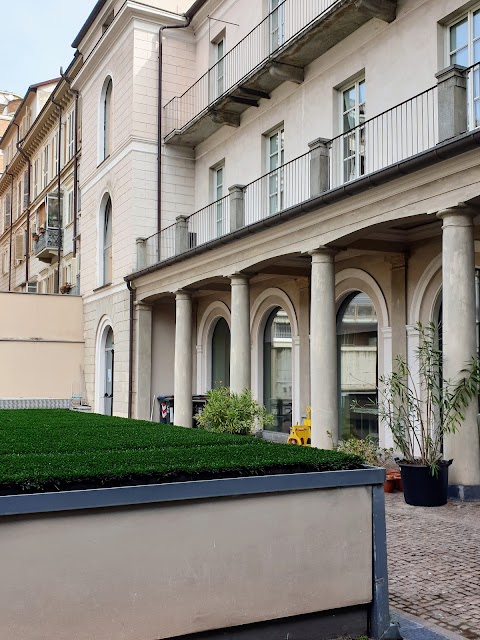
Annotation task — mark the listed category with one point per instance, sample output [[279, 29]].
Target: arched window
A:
[[277, 369], [221, 354], [357, 339], [108, 381], [106, 119], [107, 242]]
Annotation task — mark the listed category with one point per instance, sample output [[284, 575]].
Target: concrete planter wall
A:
[[300, 554]]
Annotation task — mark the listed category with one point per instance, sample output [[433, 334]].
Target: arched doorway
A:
[[357, 344], [220, 355], [109, 369], [277, 369]]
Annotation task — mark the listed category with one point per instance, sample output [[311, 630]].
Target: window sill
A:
[[103, 161], [102, 287]]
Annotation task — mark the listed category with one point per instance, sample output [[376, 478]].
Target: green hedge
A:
[[58, 449]]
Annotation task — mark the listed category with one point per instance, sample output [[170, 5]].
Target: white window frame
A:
[[55, 155], [105, 120], [45, 167], [70, 135], [7, 217], [276, 187], [358, 154], [474, 76], [19, 198], [219, 67], [218, 174], [36, 176], [69, 205], [277, 24]]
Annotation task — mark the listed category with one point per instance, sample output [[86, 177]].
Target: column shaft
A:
[[459, 337], [323, 351], [240, 358], [143, 376], [183, 360]]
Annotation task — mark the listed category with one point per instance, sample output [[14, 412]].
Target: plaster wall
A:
[[174, 582], [41, 346]]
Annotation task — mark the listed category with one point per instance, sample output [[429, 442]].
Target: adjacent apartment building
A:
[[272, 195]]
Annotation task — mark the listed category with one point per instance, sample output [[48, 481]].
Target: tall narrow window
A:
[[107, 242], [277, 369], [219, 67], [71, 134], [45, 179], [36, 177], [357, 337], [218, 176], [277, 24], [221, 354], [55, 155], [464, 50], [275, 179], [19, 198], [106, 120], [8, 210], [353, 117]]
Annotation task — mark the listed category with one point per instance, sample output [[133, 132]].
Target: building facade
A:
[[273, 195]]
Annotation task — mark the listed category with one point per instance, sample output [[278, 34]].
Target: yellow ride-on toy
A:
[[302, 433]]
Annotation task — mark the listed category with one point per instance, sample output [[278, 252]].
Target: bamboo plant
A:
[[421, 410]]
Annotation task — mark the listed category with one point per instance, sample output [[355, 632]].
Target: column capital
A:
[[452, 71], [319, 143], [239, 278], [460, 215], [183, 294], [236, 187], [143, 306], [323, 254], [181, 218]]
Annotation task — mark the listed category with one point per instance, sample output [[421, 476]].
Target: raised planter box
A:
[[301, 556]]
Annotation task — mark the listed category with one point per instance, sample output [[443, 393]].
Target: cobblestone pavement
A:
[[434, 563]]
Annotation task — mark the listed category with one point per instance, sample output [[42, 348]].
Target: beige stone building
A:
[[273, 194]]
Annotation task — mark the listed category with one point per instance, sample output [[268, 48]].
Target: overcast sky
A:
[[36, 39]]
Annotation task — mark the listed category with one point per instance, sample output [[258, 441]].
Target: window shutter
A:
[[19, 245], [25, 190], [8, 210]]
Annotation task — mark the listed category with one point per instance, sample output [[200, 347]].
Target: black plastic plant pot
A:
[[421, 488]]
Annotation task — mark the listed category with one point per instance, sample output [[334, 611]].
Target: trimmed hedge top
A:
[[56, 449]]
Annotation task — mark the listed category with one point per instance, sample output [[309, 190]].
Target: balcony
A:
[[47, 245], [434, 125], [276, 50]]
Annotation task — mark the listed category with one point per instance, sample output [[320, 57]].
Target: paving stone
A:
[[434, 563]]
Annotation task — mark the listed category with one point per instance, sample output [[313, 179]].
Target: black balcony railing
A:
[[50, 239], [402, 132], [268, 38]]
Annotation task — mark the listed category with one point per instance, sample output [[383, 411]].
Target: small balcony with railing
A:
[[46, 243], [292, 35], [434, 125]]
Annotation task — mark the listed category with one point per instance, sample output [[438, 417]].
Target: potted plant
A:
[[35, 236], [41, 230], [66, 288], [420, 413]]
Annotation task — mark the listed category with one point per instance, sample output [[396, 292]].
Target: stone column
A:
[[237, 207], [459, 335], [141, 253], [452, 102], [183, 360], [323, 350], [143, 374], [181, 234], [398, 312], [319, 166], [240, 348]]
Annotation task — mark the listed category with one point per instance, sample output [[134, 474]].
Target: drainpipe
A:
[[130, 349], [27, 242], [75, 163], [59, 165], [11, 234], [160, 114]]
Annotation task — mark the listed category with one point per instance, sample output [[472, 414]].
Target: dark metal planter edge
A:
[[36, 503]]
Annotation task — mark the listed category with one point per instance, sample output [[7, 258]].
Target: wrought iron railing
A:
[[49, 239], [273, 34], [404, 131]]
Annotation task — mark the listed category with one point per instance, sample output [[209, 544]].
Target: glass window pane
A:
[[459, 35], [221, 355], [349, 99], [476, 51], [461, 57], [357, 331], [361, 92], [476, 24], [274, 144], [277, 370]]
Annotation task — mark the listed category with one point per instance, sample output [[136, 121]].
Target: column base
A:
[[464, 492]]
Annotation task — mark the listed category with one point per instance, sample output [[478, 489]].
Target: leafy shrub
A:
[[228, 412], [367, 449]]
